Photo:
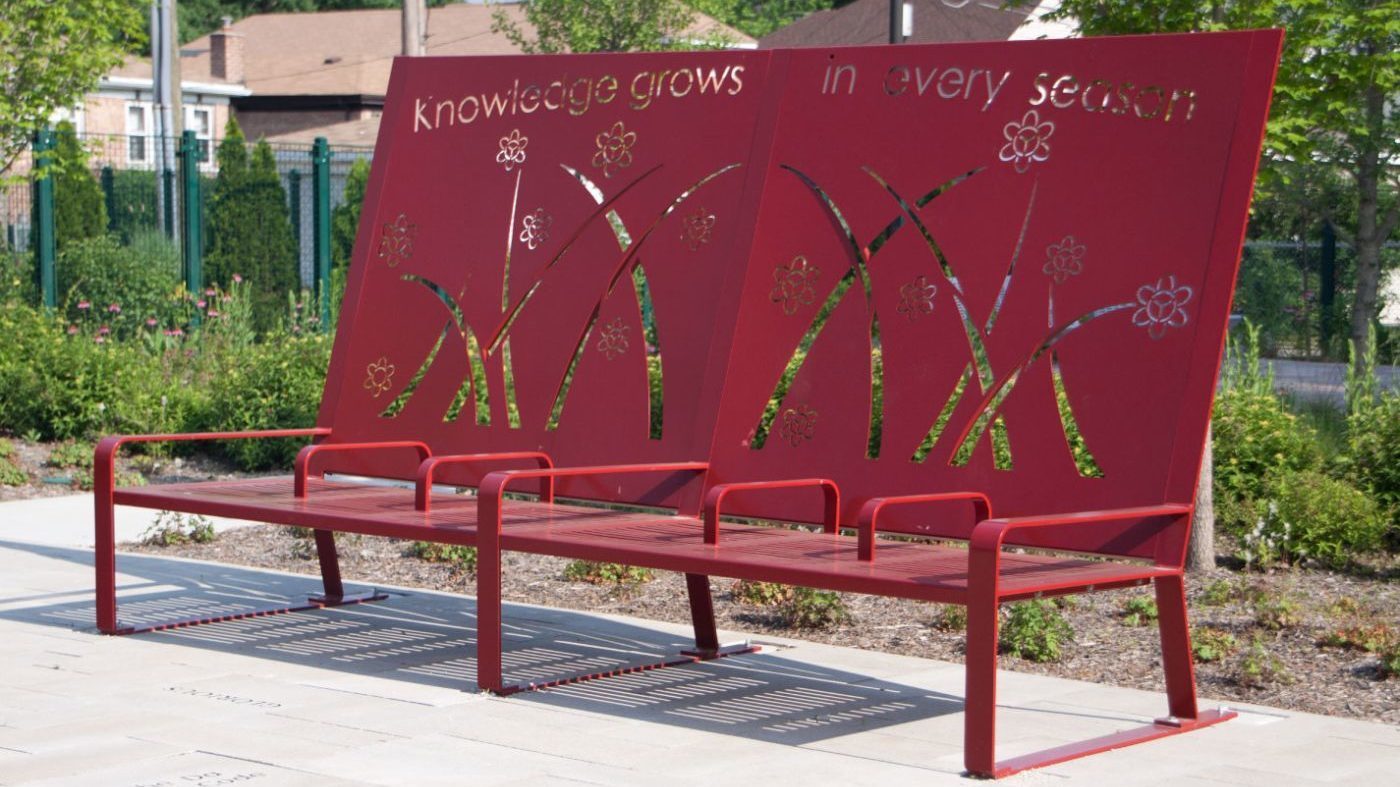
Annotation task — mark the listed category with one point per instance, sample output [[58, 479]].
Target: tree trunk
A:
[[1369, 235], [1200, 551]]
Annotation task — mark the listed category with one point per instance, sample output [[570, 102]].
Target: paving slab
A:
[[384, 694]]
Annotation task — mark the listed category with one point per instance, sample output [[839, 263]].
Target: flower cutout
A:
[[799, 423], [614, 149], [1064, 259], [916, 298], [698, 227], [379, 375], [793, 288], [1026, 141], [535, 228], [613, 341], [1162, 306], [396, 241], [512, 150]]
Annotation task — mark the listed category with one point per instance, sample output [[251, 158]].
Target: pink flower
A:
[[84, 305], [227, 299], [177, 332], [298, 306], [209, 291], [213, 312], [201, 304], [72, 329], [104, 330], [237, 279], [151, 322], [100, 339], [169, 332], [114, 309]]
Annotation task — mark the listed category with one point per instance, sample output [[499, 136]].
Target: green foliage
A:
[[1309, 515], [1267, 294], [275, 384], [106, 284], [172, 529], [1373, 454], [952, 617], [463, 557], [1218, 593], [596, 26], [134, 205], [1254, 434], [11, 474], [1035, 630], [758, 18], [345, 218], [250, 231], [1139, 611], [1211, 644], [1277, 612], [71, 454], [1259, 667], [607, 573], [760, 594], [51, 54], [808, 608], [80, 210]]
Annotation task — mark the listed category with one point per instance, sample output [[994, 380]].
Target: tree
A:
[[80, 211], [759, 17], [345, 219], [51, 54], [596, 25], [250, 232], [1334, 103]]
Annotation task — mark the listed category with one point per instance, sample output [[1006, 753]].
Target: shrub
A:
[[953, 617], [1218, 593], [345, 219], [11, 474], [1277, 612], [463, 557], [276, 384], [1254, 434], [1373, 452], [607, 573], [1035, 631], [171, 528], [80, 210], [133, 203], [1211, 644], [808, 608], [1139, 611], [1259, 667], [1312, 516], [760, 594], [105, 284]]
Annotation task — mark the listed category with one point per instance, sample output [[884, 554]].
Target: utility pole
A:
[[414, 27], [165, 74], [901, 21]]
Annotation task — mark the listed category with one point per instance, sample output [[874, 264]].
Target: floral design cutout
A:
[[916, 298], [1064, 259], [614, 149], [1027, 141], [698, 227], [535, 228], [793, 284], [799, 423], [396, 241], [613, 341], [379, 376], [1162, 306], [512, 151]]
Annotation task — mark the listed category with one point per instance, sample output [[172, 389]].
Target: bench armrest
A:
[[423, 488], [870, 512], [717, 493], [303, 461], [105, 454], [493, 486], [984, 547]]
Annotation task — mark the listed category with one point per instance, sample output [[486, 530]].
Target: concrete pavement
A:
[[384, 694]]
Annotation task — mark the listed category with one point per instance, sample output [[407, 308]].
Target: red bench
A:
[[934, 284]]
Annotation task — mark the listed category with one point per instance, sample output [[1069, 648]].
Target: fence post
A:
[[109, 195], [1327, 284], [167, 177], [44, 243], [189, 200], [294, 212], [321, 225]]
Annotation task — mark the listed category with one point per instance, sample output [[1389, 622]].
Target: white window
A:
[[200, 120], [138, 132]]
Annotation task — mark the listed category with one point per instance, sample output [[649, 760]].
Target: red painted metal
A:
[[423, 486], [867, 521], [831, 497], [302, 466]]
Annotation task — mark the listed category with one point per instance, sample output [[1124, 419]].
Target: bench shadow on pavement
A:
[[430, 639]]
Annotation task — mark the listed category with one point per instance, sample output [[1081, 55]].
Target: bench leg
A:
[[980, 709], [702, 614], [330, 565], [1176, 648], [488, 603], [104, 554]]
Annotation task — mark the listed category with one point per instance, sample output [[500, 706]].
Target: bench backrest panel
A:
[[995, 257], [569, 231]]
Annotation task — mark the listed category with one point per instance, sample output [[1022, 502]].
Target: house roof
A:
[[868, 22], [350, 52], [347, 133]]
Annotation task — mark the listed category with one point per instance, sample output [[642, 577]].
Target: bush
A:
[[1309, 515], [345, 219], [80, 210], [760, 594], [1373, 453], [807, 608], [1254, 435], [107, 285], [1035, 631], [1210, 644], [463, 557], [171, 529], [607, 573], [1139, 611], [11, 474], [273, 385]]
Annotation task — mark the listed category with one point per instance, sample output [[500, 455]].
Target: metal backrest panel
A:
[[551, 250], [995, 268]]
